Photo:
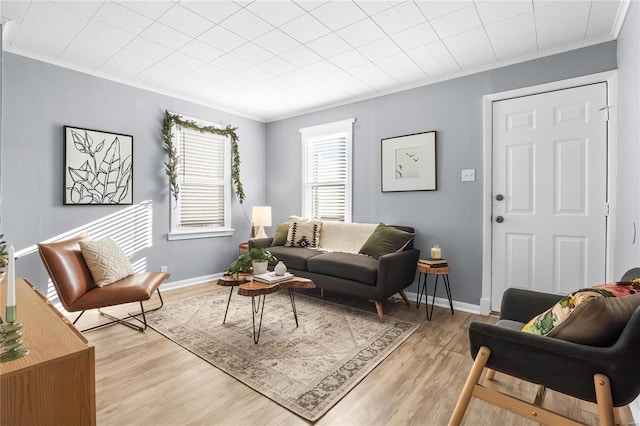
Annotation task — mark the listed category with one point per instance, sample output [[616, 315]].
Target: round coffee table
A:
[[259, 290]]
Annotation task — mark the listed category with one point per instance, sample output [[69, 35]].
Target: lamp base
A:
[[261, 233]]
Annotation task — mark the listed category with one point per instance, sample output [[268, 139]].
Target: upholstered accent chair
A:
[[606, 375], [78, 291]]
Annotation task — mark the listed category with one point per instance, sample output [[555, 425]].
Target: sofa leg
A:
[[379, 309], [404, 297]]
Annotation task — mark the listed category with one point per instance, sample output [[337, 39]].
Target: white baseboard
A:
[[444, 303], [172, 285]]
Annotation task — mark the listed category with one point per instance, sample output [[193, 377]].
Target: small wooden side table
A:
[[425, 271]]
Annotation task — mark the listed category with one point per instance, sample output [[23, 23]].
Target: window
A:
[[326, 171], [204, 175]]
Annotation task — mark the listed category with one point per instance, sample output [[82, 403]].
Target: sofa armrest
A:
[[397, 270], [521, 305], [264, 243]]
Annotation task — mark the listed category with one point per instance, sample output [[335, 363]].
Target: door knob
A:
[[499, 219], [499, 197]]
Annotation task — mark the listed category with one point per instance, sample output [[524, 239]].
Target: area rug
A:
[[307, 369]]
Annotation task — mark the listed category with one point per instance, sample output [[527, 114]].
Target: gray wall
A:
[[628, 180], [39, 99], [452, 215]]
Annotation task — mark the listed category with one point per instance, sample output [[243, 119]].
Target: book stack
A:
[[271, 277], [434, 263]]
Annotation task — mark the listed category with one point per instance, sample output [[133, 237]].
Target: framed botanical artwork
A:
[[98, 167], [409, 163]]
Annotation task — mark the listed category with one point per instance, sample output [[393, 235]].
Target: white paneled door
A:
[[549, 191]]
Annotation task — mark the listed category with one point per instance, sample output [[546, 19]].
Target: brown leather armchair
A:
[[78, 292]]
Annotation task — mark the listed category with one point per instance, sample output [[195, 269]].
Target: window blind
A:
[[201, 173], [327, 178]]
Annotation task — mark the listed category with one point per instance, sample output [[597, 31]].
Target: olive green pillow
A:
[[280, 237], [386, 239]]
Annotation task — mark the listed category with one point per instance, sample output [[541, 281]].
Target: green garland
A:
[[171, 166]]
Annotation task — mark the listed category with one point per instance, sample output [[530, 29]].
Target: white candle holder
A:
[[11, 337]]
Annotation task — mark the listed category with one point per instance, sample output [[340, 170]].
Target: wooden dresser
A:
[[55, 383]]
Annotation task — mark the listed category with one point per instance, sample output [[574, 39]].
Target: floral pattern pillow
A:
[[546, 322]]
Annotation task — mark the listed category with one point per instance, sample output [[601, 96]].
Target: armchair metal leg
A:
[[604, 400], [472, 380], [116, 320]]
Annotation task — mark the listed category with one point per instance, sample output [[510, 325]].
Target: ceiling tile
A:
[[415, 36], [180, 60], [321, 68], [231, 63], [42, 37], [601, 22], [276, 42], [150, 9], [471, 49], [148, 48], [390, 21], [348, 83], [301, 56], [305, 28], [563, 33], [373, 7], [222, 39], [202, 51], [402, 68], [58, 15], [88, 52], [557, 13], [126, 63], [310, 5], [107, 33], [187, 83], [159, 74], [277, 66], [298, 76], [338, 14], [361, 32], [123, 18], [373, 76], [255, 75], [329, 45], [435, 9], [276, 12], [14, 11], [351, 58], [379, 49], [184, 20], [409, 13], [212, 72], [246, 25], [497, 10], [216, 11], [87, 8], [251, 53], [165, 36], [458, 22], [513, 37], [435, 59]]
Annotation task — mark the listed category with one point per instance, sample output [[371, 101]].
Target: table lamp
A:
[[261, 217]]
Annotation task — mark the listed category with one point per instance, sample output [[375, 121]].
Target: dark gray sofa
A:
[[352, 274]]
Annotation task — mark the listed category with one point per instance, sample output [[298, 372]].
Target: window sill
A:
[[189, 235]]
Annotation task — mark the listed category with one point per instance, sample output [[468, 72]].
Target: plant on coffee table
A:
[[244, 261]]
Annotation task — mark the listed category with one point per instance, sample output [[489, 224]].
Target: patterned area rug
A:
[[306, 369]]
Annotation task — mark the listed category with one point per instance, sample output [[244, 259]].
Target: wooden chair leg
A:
[[379, 309], [472, 380], [617, 415], [489, 375], [404, 297], [604, 400], [540, 394]]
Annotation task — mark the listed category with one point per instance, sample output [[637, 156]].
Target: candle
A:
[[11, 278], [436, 252]]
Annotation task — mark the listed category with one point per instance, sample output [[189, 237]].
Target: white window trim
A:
[[327, 130], [175, 232]]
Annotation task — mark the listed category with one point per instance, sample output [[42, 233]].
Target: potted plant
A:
[[245, 262]]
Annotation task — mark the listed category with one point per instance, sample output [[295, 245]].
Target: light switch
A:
[[468, 175]]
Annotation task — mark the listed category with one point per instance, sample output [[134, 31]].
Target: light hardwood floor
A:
[[145, 379]]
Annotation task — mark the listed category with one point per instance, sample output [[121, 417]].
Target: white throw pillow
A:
[[106, 261], [303, 232]]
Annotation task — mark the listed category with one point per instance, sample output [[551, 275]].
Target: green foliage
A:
[[4, 256], [171, 166], [244, 262]]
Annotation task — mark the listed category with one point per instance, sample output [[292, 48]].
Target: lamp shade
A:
[[261, 216]]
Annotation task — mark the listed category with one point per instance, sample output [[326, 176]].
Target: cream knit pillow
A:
[[106, 261]]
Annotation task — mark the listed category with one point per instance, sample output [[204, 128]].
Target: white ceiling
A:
[[272, 59]]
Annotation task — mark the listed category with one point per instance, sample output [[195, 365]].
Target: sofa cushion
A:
[[294, 257], [303, 232], [345, 265], [385, 239], [345, 237], [280, 236], [591, 316]]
